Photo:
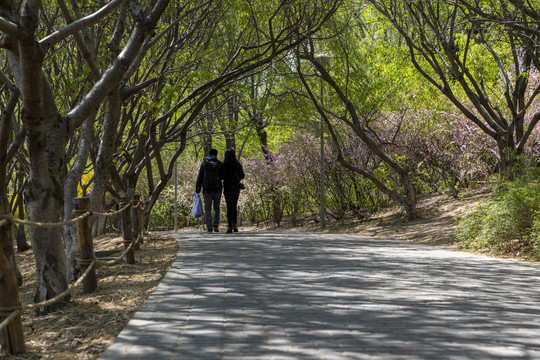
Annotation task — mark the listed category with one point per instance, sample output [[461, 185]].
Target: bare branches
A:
[[445, 39], [112, 76], [408, 200], [80, 24], [84, 46]]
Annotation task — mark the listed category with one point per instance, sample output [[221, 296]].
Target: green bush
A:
[[512, 215], [535, 232], [161, 214]]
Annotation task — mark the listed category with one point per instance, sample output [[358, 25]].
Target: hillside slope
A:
[[435, 226]]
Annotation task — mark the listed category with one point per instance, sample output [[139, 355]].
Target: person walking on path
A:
[[210, 179], [232, 174]]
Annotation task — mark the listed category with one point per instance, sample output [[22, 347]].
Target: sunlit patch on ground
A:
[[89, 323]]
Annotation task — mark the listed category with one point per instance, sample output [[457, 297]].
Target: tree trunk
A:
[[46, 138], [70, 192], [409, 200], [44, 203], [207, 137], [107, 147], [507, 156], [233, 113], [22, 243], [15, 234], [12, 336]]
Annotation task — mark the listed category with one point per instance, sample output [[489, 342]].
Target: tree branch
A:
[[10, 28], [127, 91], [72, 28], [112, 76]]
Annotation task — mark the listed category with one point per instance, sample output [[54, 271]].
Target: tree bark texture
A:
[[107, 147], [12, 335], [85, 244], [43, 194], [128, 231], [71, 192]]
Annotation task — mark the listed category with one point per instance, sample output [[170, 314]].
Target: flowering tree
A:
[[356, 121], [443, 153], [463, 48], [448, 151]]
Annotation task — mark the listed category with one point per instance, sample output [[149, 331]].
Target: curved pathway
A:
[[255, 295]]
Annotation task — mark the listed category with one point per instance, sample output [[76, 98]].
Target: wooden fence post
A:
[[85, 243], [12, 335], [141, 221], [135, 220], [128, 233], [140, 214]]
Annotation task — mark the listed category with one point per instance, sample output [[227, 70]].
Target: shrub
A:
[[512, 215], [535, 232], [163, 210]]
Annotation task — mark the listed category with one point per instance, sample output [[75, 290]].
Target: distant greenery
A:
[[275, 128], [511, 220]]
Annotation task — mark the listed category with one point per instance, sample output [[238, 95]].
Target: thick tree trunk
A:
[[12, 336], [46, 138], [15, 235], [507, 157], [44, 202]]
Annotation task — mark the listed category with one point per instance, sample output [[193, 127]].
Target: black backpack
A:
[[211, 174]]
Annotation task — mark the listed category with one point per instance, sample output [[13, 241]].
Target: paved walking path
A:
[[256, 295]]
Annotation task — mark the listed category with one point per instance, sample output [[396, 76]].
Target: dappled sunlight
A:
[[305, 296], [88, 323]]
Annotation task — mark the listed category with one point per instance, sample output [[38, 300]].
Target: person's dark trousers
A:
[[231, 199], [212, 200]]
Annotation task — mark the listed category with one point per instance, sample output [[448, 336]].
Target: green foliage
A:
[[163, 210], [535, 232], [512, 215], [161, 214]]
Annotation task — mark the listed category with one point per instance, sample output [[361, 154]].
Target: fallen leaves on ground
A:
[[89, 323]]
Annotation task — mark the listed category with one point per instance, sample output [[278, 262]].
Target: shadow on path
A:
[[319, 296]]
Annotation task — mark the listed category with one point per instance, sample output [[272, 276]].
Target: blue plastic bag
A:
[[197, 209]]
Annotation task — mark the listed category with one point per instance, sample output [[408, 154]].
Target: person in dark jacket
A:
[[210, 179], [232, 174]]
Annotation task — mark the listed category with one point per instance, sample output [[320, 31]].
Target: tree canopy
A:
[[105, 98]]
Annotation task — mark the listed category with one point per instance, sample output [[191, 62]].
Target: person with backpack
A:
[[232, 174], [210, 178]]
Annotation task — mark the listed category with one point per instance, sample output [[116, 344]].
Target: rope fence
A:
[[10, 219], [13, 220], [11, 326]]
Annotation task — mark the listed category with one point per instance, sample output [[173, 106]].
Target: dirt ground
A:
[[89, 323], [86, 326], [435, 226]]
